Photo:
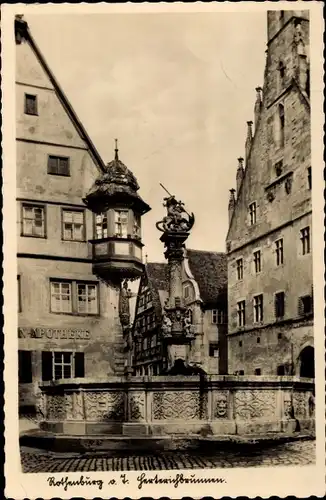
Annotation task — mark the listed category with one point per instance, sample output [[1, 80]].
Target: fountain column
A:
[[176, 328]]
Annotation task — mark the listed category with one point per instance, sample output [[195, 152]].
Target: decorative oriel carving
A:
[[177, 219], [124, 307], [252, 404]]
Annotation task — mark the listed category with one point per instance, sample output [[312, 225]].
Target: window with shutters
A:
[[61, 365], [101, 226], [25, 367], [58, 165], [305, 240], [73, 226], [258, 308], [33, 221], [241, 313], [121, 223], [305, 305], [30, 104], [279, 251], [239, 263], [279, 305], [72, 297]]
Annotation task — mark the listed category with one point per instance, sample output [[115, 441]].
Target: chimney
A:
[[231, 206], [248, 140], [258, 105], [240, 174]]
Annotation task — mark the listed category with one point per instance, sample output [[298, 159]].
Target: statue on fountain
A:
[[177, 219]]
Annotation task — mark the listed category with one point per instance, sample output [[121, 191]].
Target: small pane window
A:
[[87, 302], [30, 104], [213, 350], [33, 221], [121, 223], [62, 365], [61, 297], [58, 165], [73, 225], [101, 226]]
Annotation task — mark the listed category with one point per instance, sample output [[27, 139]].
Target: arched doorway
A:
[[307, 362]]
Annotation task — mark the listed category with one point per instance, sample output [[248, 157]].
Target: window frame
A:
[[309, 174], [71, 364], [276, 295], [281, 120], [239, 268], [121, 224], [241, 313], [258, 307], [104, 216], [305, 237], [252, 209], [257, 260], [74, 297], [33, 205], [279, 251], [213, 347], [26, 97], [73, 210], [58, 158]]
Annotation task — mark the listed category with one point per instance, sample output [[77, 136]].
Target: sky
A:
[[176, 90]]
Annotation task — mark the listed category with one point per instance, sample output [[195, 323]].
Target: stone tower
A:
[[270, 293]]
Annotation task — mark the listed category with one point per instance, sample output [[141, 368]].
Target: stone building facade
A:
[[205, 296], [68, 315], [269, 241]]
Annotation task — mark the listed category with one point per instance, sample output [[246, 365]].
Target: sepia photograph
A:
[[164, 294]]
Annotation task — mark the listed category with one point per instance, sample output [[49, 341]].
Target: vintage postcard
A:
[[163, 249]]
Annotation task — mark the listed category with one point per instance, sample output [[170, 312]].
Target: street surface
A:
[[294, 453]]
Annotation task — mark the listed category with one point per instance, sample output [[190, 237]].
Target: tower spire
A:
[[116, 156]]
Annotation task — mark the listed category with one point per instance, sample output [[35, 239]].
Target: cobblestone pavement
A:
[[294, 453]]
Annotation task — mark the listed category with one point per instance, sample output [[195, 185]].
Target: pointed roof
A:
[[209, 270], [22, 32], [116, 184]]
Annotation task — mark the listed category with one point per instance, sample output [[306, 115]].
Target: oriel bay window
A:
[[71, 297], [60, 365], [33, 221]]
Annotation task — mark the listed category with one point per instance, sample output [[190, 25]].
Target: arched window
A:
[[281, 123]]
